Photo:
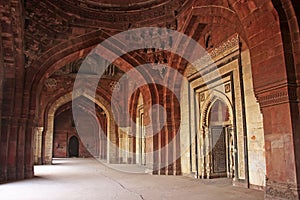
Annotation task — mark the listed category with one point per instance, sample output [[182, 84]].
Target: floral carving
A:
[[43, 29], [115, 86], [231, 43]]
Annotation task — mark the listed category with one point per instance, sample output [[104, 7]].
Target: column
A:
[[112, 143], [202, 152], [207, 154], [38, 139], [281, 142]]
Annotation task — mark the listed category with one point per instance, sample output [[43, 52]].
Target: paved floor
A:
[[86, 179]]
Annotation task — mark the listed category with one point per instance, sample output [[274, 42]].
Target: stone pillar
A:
[[112, 144], [275, 84], [13, 165], [280, 143], [202, 152], [207, 154], [29, 151], [232, 152], [49, 141], [130, 149], [38, 139]]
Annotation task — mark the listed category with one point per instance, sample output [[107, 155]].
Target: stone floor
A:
[[87, 179]]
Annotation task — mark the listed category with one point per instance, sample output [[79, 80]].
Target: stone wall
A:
[[224, 82], [64, 129], [255, 132]]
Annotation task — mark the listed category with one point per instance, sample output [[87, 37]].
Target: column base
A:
[[239, 183], [114, 161], [281, 191], [12, 174]]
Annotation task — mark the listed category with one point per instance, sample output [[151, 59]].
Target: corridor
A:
[[87, 179]]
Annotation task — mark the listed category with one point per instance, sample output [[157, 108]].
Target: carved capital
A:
[[39, 130], [277, 95]]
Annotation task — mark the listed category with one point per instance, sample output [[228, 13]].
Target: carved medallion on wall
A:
[[202, 97], [51, 83], [115, 86], [227, 88]]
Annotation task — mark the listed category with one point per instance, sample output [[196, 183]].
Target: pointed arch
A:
[[48, 134], [210, 100]]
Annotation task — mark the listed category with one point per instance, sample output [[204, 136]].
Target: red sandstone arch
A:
[[44, 110], [53, 60], [48, 130], [260, 23], [249, 28]]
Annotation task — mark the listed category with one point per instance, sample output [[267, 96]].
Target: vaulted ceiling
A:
[[52, 22], [116, 5]]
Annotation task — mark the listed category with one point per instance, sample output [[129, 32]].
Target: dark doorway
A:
[[221, 140], [219, 150], [73, 147]]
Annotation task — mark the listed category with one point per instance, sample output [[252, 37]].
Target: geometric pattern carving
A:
[[273, 98], [47, 24], [43, 29], [51, 83], [231, 43], [227, 88], [281, 95], [219, 150]]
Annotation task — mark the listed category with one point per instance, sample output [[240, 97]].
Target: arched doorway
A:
[[217, 139], [73, 147], [49, 140], [221, 140]]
